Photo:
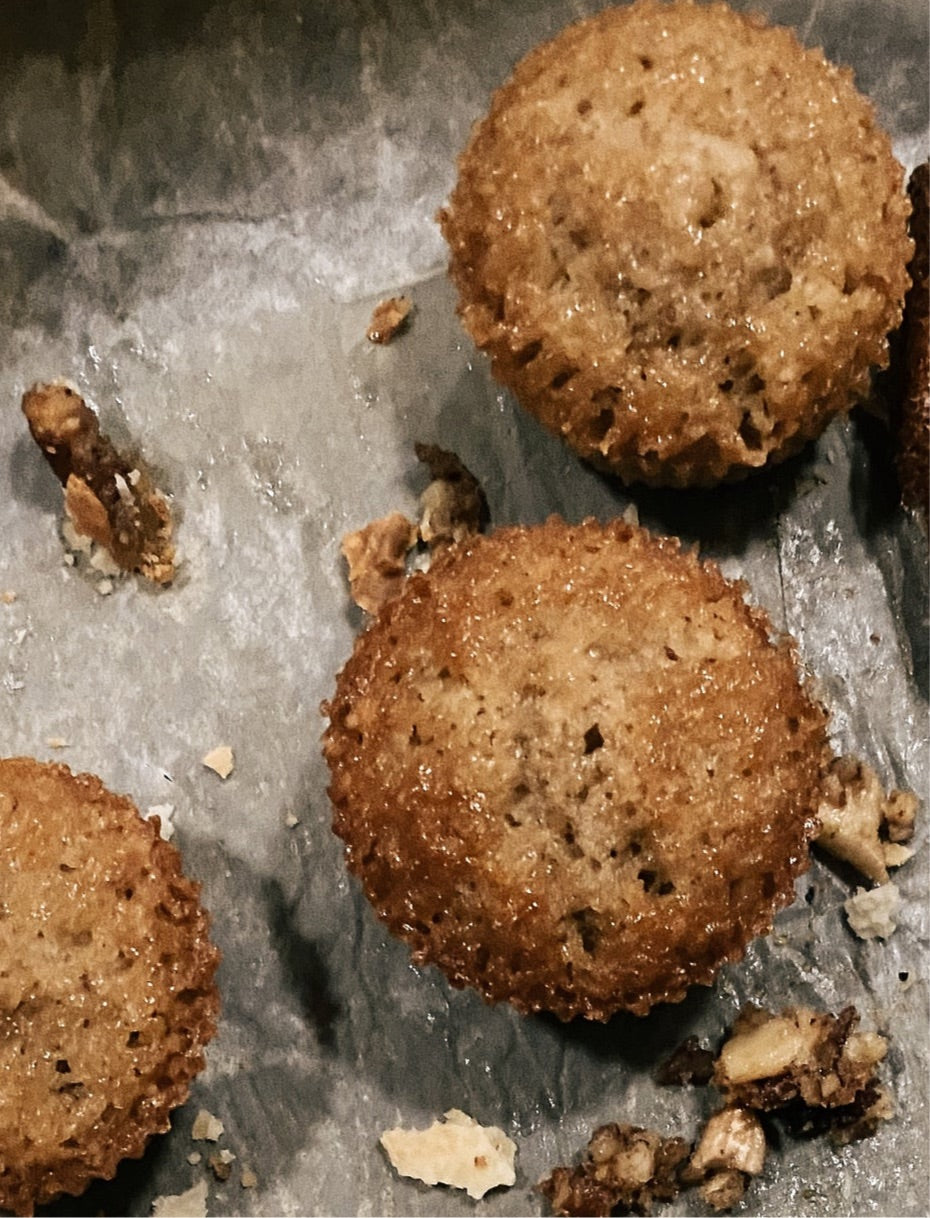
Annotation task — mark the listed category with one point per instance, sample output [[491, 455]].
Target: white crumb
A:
[[102, 560], [220, 760], [457, 1151], [291, 820], [871, 912], [194, 1158], [164, 812], [207, 1127], [192, 1204], [105, 587], [58, 742]]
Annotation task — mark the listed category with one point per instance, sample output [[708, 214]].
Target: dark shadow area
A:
[[306, 975]]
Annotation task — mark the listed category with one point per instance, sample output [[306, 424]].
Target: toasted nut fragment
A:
[[862, 825], [107, 496], [732, 1138], [871, 912], [453, 505], [624, 1166], [388, 318], [689, 1063], [723, 1189], [771, 1060], [377, 556]]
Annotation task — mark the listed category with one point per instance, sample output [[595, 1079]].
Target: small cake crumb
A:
[[207, 1127], [58, 742], [190, 1204], [871, 912], [291, 820], [220, 760], [7, 596], [457, 1151], [248, 1178], [377, 558], [862, 825], [105, 587], [194, 1158], [388, 319]]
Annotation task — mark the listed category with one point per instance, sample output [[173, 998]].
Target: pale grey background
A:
[[199, 204]]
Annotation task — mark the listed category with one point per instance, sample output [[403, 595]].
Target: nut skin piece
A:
[[107, 496]]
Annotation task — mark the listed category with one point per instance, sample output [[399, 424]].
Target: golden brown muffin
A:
[[106, 982], [681, 239], [571, 769]]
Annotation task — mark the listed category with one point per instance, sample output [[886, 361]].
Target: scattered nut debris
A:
[[862, 825], [689, 1063], [58, 742], [7, 596], [731, 1150], [220, 760], [190, 1204], [456, 1151], [248, 1178], [453, 505], [624, 1165], [221, 1164], [377, 558], [815, 1072], [291, 821], [194, 1158], [207, 1127], [388, 319], [871, 911], [772, 1060], [108, 498]]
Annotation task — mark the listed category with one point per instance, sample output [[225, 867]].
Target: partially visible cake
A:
[[107, 993], [572, 769], [682, 240]]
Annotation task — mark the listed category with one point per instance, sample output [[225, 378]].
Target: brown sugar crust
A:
[[107, 496], [571, 768], [632, 249], [107, 996]]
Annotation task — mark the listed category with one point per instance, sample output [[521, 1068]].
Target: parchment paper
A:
[[200, 203]]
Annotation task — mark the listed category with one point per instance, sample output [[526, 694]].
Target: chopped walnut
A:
[[771, 1060], [689, 1063], [108, 498], [862, 825], [377, 558], [730, 1151], [453, 505], [220, 760], [624, 1166], [388, 318]]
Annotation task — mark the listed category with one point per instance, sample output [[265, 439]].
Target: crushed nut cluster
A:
[[815, 1069]]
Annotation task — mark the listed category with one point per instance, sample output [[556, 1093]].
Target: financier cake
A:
[[107, 996], [572, 768], [682, 240]]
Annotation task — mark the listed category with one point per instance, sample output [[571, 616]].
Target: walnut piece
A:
[[453, 505], [772, 1060], [730, 1151], [377, 558], [624, 1166], [388, 318], [862, 825], [456, 1151], [108, 497]]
